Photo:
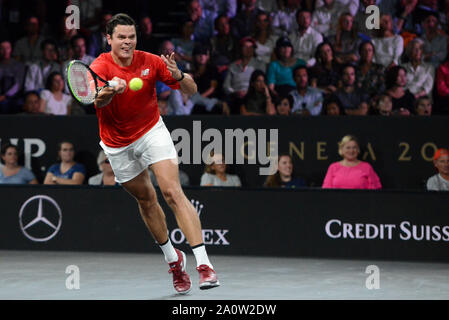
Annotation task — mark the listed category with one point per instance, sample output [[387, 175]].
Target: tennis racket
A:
[[83, 83]]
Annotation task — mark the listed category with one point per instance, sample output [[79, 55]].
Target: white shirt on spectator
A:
[[325, 20], [37, 74], [305, 46], [388, 50], [312, 101], [421, 78], [347, 5], [437, 183], [265, 50], [54, 106], [211, 179], [237, 78], [284, 22]]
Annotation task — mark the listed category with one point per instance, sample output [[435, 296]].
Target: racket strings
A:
[[81, 83]]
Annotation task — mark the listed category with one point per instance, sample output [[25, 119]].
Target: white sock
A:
[[201, 256], [169, 252]]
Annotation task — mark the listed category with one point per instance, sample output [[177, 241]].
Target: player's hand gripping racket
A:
[[83, 83]]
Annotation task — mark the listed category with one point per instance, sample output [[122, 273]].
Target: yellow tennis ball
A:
[[136, 84]]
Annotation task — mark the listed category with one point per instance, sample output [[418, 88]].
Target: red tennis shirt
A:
[[133, 113]]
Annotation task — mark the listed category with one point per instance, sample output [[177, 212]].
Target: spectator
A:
[[323, 18], [265, 39], [305, 40], [106, 176], [349, 95], [423, 106], [435, 41], [284, 20], [405, 21], [221, 7], [346, 41], [215, 174], [203, 21], [370, 75], [62, 39], [325, 74], [184, 44], [384, 105], [350, 173], [78, 49], [284, 176], [53, 99], [98, 42], [284, 105], [258, 99], [306, 99], [442, 88], [244, 21], [223, 45], [389, 47], [420, 75], [361, 17], [396, 83], [347, 5], [147, 41], [12, 172], [443, 15], [67, 171], [90, 12], [32, 104], [280, 71], [38, 72], [332, 107], [28, 49], [440, 181], [12, 74], [236, 83], [204, 74], [267, 5]]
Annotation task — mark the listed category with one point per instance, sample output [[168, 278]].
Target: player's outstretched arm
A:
[[187, 83], [106, 94]]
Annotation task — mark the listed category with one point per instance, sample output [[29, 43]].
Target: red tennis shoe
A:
[[181, 280], [208, 277]]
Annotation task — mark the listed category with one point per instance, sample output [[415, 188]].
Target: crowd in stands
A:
[[248, 57], [320, 52]]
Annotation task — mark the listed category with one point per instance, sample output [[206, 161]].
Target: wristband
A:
[[182, 77]]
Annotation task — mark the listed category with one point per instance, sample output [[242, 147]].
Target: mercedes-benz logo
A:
[[42, 227]]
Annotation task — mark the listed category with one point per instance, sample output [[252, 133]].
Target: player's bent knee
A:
[[173, 195]]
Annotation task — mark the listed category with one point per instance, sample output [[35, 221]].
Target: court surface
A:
[[42, 275]]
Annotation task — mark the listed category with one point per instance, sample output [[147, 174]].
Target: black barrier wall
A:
[[400, 149], [296, 223]]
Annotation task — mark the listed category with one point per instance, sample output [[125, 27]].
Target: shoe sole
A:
[[209, 285], [184, 259]]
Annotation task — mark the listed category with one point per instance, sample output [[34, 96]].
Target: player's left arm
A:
[[186, 82]]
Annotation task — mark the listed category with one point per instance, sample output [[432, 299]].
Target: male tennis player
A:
[[134, 137]]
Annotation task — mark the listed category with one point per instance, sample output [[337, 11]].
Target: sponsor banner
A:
[[399, 148], [297, 223]]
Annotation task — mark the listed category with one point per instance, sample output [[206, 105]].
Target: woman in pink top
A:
[[350, 173]]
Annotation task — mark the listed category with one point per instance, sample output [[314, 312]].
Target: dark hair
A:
[[392, 76], [299, 11], [59, 145], [318, 50], [274, 180], [282, 97], [75, 38], [256, 73], [47, 42], [119, 19], [218, 19], [328, 101], [6, 146], [29, 93], [361, 45], [299, 68], [50, 79]]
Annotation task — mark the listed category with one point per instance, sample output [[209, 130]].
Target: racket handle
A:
[[113, 83]]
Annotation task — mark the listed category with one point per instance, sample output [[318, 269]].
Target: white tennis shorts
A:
[[154, 146]]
